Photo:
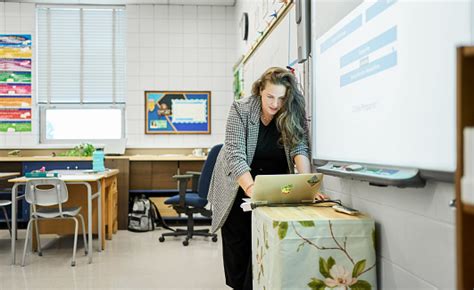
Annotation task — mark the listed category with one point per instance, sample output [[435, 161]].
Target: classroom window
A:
[[70, 124], [81, 64]]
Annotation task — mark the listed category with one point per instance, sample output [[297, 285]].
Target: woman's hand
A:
[[321, 196], [246, 183], [249, 190]]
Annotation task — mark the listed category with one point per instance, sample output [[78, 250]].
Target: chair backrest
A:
[[46, 192], [207, 169]]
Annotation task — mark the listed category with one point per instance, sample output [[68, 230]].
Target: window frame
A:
[[42, 105]]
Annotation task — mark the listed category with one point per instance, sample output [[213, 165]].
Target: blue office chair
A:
[[189, 203]]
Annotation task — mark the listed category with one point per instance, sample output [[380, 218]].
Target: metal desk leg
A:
[[89, 220], [90, 198], [13, 219], [99, 212]]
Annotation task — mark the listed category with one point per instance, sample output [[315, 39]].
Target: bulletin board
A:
[[177, 112], [15, 82]]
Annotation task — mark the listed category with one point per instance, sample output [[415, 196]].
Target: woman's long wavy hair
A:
[[291, 119]]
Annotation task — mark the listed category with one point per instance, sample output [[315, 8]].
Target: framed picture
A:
[[177, 112]]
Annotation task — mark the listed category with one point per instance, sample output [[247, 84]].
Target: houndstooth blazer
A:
[[236, 156]]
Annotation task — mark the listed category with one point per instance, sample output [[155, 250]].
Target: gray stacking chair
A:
[[47, 193], [3, 204]]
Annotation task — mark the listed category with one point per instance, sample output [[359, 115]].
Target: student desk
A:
[[309, 247], [4, 175], [96, 185]]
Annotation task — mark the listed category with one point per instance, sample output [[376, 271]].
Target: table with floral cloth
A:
[[307, 247]]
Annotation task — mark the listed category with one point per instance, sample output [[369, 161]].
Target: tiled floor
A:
[[130, 261]]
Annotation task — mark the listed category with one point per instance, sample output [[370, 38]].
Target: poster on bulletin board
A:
[[15, 82], [177, 112]]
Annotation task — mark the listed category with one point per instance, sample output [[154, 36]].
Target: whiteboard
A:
[[384, 81]]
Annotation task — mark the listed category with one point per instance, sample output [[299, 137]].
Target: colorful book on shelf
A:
[[41, 174]]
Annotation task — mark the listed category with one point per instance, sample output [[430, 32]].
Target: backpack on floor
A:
[[143, 215]]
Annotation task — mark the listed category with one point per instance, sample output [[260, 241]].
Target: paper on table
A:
[[246, 204]]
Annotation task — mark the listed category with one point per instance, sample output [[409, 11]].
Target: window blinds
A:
[[81, 55]]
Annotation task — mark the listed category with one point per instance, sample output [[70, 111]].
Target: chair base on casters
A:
[[189, 235], [189, 232]]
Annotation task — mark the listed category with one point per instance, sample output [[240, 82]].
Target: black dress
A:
[[269, 158]]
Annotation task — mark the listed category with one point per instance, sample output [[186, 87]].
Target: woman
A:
[[265, 134]]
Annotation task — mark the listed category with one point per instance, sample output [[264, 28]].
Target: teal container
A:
[[98, 160]]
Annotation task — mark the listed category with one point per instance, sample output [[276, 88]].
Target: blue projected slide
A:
[[342, 33], [365, 49], [377, 8], [372, 68]]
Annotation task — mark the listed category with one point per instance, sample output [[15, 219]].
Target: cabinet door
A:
[[163, 172], [153, 175], [140, 175]]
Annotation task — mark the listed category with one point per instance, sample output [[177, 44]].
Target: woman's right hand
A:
[[249, 190], [321, 196]]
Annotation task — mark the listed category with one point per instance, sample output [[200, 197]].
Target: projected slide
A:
[[362, 53], [385, 83]]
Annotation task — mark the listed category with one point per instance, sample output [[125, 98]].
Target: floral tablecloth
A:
[[312, 248]]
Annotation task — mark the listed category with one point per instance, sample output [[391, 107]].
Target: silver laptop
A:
[[115, 147], [286, 188]]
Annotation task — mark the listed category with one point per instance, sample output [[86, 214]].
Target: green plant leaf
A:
[[358, 268], [361, 285], [282, 229], [307, 224], [323, 268], [316, 284], [331, 262], [87, 149], [275, 224]]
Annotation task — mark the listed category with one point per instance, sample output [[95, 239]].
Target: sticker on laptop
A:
[[286, 189], [313, 180]]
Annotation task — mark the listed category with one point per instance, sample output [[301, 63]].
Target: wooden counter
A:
[[163, 157]]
